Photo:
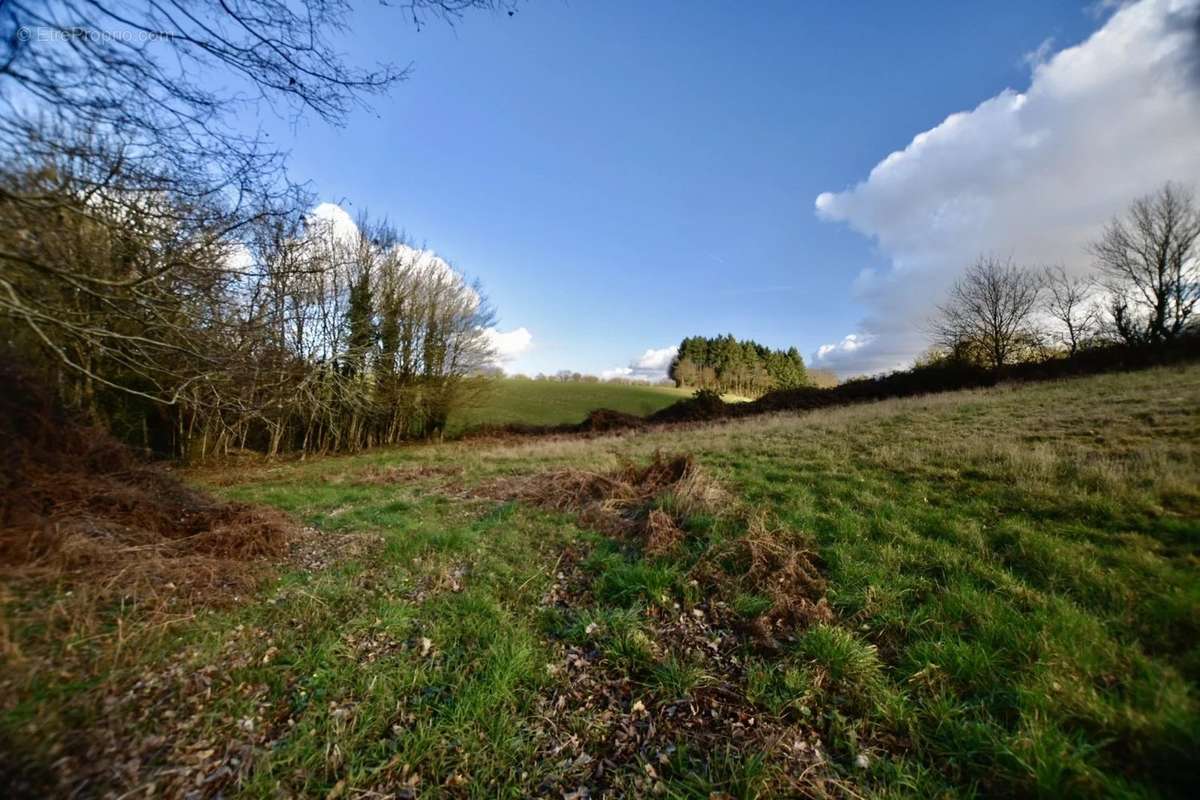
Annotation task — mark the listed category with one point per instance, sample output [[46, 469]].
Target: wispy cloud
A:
[[1040, 54]]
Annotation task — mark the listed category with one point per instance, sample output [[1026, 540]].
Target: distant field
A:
[[552, 403]]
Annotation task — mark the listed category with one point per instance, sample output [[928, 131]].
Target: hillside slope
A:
[[528, 402], [985, 592]]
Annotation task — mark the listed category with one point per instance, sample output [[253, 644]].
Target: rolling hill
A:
[[529, 402], [989, 592]]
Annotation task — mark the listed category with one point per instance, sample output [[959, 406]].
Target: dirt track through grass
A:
[[1011, 575]]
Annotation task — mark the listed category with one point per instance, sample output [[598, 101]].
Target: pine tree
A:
[[359, 318], [729, 365]]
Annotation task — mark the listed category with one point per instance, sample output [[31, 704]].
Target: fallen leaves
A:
[[603, 734]]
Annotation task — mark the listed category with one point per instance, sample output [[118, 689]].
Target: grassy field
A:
[[989, 593], [553, 403]]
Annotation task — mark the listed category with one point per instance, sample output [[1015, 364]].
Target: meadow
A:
[[527, 402], [979, 593]]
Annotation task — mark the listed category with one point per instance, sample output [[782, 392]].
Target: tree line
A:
[[1143, 291], [158, 265], [729, 366], [159, 268], [289, 335], [573, 376]]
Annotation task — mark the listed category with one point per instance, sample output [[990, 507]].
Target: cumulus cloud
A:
[[509, 344], [848, 344], [330, 219], [651, 366], [333, 220], [1029, 175]]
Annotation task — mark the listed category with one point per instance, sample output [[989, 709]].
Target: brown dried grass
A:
[[663, 533], [630, 501], [376, 475], [90, 522], [777, 564], [649, 504]]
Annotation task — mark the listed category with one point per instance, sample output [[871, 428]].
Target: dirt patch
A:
[[439, 579], [156, 734], [313, 550]]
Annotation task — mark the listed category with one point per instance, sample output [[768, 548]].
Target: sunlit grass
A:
[[1013, 573], [529, 402]]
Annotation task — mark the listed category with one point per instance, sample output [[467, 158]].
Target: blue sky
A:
[[622, 174]]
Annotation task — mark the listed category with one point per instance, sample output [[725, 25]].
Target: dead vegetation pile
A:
[[779, 566], [604, 420], [86, 516], [649, 506], [389, 475], [704, 406], [602, 730], [645, 504], [600, 421]]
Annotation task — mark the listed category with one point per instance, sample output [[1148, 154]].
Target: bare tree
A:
[[1150, 262], [303, 338], [129, 69], [1071, 303], [991, 309], [105, 125]]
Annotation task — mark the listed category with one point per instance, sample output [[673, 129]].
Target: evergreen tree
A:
[[359, 320], [727, 365]]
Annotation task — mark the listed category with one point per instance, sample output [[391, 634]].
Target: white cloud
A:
[[239, 258], [658, 359], [651, 366], [334, 218], [1031, 175], [509, 344], [336, 221], [848, 344]]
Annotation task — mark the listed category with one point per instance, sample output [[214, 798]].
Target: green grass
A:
[[1013, 574], [529, 402]]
